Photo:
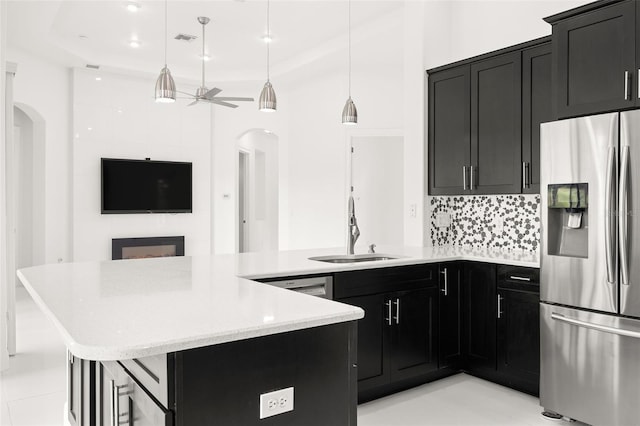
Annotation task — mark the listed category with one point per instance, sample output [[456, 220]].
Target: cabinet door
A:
[[450, 321], [448, 130], [373, 331], [480, 310], [519, 338], [496, 124], [537, 107], [592, 53], [414, 332]]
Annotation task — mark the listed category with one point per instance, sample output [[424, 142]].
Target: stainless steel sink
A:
[[355, 258]]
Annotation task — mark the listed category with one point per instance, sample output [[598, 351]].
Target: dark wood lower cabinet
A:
[[480, 304], [519, 339], [502, 325], [413, 333], [222, 384]]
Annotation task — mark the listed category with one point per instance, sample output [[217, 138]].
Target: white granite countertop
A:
[[133, 308]]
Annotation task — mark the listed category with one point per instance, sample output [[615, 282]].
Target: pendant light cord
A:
[[349, 49], [268, 39], [165, 32]]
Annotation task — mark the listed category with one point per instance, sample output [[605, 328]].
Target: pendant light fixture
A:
[[165, 86], [267, 101], [349, 112]]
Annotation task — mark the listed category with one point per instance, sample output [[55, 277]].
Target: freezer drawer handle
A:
[[598, 327]]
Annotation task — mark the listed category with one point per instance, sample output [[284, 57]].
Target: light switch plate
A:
[[276, 402]]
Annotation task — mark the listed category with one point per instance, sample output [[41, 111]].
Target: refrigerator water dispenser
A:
[[568, 220]]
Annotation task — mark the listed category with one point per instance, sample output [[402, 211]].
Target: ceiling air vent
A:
[[185, 37], [93, 67]]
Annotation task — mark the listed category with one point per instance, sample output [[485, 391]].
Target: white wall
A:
[[117, 117], [4, 353], [50, 97]]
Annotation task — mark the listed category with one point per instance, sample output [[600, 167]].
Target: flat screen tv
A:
[[145, 186]]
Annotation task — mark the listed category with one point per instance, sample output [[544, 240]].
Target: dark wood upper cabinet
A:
[[594, 58], [496, 125], [537, 107], [484, 115], [449, 130]]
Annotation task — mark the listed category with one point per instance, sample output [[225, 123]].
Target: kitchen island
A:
[[211, 342]]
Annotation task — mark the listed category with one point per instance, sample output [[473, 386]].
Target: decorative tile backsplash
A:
[[506, 221]]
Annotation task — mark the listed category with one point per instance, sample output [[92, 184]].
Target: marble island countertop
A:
[[133, 308]]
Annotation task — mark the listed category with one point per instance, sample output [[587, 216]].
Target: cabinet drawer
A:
[[128, 402], [519, 278], [153, 373], [381, 280]]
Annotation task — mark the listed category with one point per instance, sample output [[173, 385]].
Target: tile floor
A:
[[33, 390]]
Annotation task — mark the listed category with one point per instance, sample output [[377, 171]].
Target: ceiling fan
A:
[[209, 95]]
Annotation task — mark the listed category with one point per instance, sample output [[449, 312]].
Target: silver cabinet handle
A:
[[397, 317], [70, 380], [388, 318], [115, 403], [517, 278], [524, 175], [622, 209], [638, 83], [445, 290], [609, 216], [626, 86], [464, 178], [598, 327], [499, 307]]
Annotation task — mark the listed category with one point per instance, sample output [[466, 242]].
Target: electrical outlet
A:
[[276, 402], [413, 210]]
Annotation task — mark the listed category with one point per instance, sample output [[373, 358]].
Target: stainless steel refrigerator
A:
[[590, 268]]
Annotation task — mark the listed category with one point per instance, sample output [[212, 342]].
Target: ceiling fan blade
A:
[[211, 93], [227, 104], [193, 103], [221, 98]]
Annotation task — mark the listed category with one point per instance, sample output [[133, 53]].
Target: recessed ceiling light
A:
[[132, 6], [267, 38], [134, 43], [98, 78], [205, 58]]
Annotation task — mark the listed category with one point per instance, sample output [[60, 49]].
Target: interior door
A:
[[580, 151]]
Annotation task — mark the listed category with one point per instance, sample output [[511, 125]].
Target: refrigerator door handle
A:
[[598, 327], [609, 216], [623, 228]]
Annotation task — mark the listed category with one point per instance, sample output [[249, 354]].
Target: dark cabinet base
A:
[[222, 384]]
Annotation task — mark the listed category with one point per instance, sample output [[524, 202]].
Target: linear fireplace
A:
[[141, 248]]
